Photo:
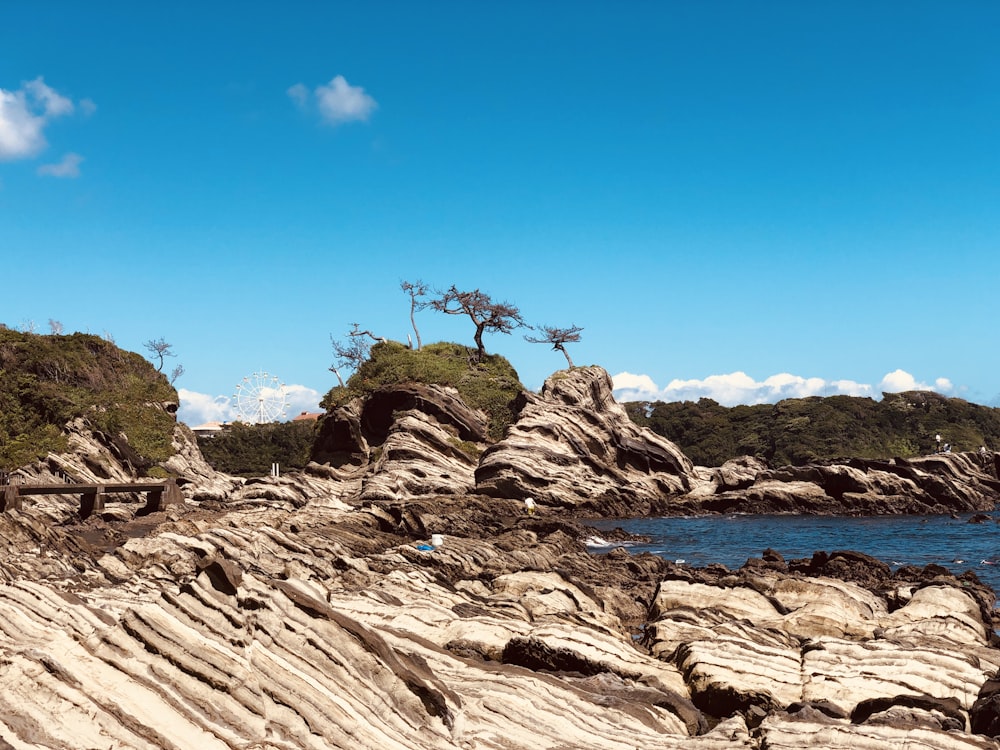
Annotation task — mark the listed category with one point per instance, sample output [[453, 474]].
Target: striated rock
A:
[[776, 642], [200, 480], [574, 446], [410, 440], [942, 483], [420, 457], [399, 596]]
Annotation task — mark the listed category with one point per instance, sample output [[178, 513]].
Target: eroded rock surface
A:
[[335, 623], [399, 596], [573, 445], [939, 483]]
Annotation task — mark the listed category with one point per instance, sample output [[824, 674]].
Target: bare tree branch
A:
[[487, 315], [353, 352], [159, 348], [558, 337], [415, 289]]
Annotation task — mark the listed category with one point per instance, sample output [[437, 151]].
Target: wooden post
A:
[[159, 499], [11, 498], [91, 500]]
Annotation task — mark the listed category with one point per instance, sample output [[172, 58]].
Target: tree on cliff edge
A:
[[415, 289], [352, 352], [159, 348], [486, 314], [558, 337]]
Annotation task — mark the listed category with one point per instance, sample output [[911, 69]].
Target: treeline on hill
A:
[[248, 450], [46, 381], [805, 430]]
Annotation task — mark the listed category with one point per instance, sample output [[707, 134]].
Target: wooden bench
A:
[[92, 496]]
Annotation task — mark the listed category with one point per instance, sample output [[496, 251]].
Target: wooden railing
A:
[[93, 496]]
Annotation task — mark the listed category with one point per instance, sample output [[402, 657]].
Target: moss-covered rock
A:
[[489, 383], [46, 381]]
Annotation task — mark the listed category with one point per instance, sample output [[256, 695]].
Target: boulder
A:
[[574, 446]]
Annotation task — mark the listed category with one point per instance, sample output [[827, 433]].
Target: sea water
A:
[[951, 542]]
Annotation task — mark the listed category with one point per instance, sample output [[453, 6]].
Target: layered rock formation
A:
[[331, 625], [573, 445], [939, 483], [400, 597]]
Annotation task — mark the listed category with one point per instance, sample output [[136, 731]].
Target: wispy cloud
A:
[[197, 408], [739, 388], [337, 101], [301, 398], [24, 114], [68, 167]]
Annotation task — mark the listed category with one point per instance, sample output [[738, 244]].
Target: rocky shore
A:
[[313, 610]]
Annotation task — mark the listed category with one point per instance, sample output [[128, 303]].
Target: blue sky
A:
[[745, 201]]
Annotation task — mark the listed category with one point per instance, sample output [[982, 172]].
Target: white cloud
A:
[[301, 398], [734, 388], [198, 408], [299, 94], [337, 101], [24, 113], [53, 103], [900, 380], [68, 167], [943, 385]]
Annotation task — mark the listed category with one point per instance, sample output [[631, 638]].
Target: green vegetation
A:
[[799, 431], [249, 450], [488, 382], [46, 381]]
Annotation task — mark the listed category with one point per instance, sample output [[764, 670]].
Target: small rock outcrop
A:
[[407, 440], [574, 446], [939, 483]]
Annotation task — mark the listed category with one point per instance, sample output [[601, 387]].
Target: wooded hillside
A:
[[799, 431]]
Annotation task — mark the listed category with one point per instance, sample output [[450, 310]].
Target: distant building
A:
[[307, 416], [209, 429]]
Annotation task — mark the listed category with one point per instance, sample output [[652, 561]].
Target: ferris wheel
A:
[[260, 398]]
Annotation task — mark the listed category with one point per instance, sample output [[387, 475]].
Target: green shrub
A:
[[490, 384], [249, 449], [46, 381]]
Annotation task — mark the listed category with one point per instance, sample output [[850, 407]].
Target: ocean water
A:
[[951, 542]]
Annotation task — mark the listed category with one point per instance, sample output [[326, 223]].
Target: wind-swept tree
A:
[[486, 314], [415, 289], [159, 349], [352, 352], [558, 337]]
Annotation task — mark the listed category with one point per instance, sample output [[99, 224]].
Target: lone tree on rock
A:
[[159, 349], [558, 337], [415, 289], [486, 314], [353, 352]]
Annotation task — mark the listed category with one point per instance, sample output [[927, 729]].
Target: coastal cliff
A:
[[399, 595]]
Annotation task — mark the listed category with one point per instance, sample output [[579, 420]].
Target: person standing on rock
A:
[[529, 505]]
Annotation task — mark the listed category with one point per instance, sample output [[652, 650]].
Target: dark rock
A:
[[984, 717]]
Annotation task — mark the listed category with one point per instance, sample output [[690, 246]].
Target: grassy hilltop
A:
[[48, 380]]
